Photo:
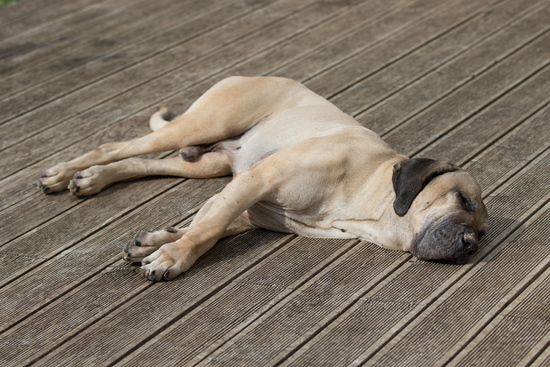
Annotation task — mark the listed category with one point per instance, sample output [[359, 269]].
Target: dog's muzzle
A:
[[451, 239]]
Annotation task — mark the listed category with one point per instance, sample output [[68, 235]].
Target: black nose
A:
[[469, 244]]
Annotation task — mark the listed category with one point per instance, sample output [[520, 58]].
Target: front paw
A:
[[145, 243], [167, 262], [89, 181], [55, 179]]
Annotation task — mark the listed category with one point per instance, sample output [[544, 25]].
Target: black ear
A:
[[410, 176]]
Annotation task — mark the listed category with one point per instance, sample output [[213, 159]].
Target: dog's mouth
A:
[[448, 240]]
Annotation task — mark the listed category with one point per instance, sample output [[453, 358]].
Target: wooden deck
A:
[[461, 80]]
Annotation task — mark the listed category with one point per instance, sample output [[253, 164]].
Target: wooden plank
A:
[[392, 25], [184, 36], [116, 96], [469, 100], [511, 153], [515, 331], [74, 261], [31, 44], [364, 264], [281, 270], [75, 224], [483, 129], [63, 319], [45, 207], [348, 72], [544, 358], [103, 42], [416, 98], [22, 16], [454, 313], [505, 25]]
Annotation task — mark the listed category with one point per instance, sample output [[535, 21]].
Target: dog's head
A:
[[443, 206]]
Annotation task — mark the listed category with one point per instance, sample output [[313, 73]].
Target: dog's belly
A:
[[281, 130]]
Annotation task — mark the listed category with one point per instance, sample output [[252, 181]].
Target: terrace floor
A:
[[461, 80]]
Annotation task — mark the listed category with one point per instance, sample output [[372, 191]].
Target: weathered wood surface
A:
[[461, 80]]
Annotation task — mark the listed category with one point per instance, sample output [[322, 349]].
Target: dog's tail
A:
[[160, 118]]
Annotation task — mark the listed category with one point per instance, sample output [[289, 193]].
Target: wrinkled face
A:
[[448, 218]]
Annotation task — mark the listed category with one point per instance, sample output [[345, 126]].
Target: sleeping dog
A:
[[299, 165]]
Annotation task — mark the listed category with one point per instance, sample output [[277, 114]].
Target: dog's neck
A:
[[381, 226]]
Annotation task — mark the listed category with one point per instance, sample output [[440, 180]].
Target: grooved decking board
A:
[[514, 22], [489, 125], [389, 25], [323, 292], [29, 14], [96, 66], [491, 282], [75, 224], [76, 260], [281, 270], [471, 98], [45, 329], [105, 43], [432, 27], [38, 42], [419, 96], [518, 328]]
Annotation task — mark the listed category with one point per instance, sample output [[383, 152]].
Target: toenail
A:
[[78, 177], [170, 229], [145, 262], [137, 243]]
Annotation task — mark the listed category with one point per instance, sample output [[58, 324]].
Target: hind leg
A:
[[228, 109], [92, 180]]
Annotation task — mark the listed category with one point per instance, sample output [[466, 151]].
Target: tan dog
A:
[[300, 165]]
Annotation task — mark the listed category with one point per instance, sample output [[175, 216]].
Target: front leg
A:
[[225, 215]]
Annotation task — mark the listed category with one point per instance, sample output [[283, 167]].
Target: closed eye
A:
[[467, 204]]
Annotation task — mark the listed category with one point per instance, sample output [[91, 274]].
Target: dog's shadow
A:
[[244, 250], [502, 232]]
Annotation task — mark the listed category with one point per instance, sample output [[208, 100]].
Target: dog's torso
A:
[[328, 200]]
